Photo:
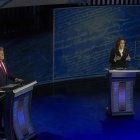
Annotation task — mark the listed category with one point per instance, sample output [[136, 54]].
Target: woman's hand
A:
[[116, 58], [128, 58]]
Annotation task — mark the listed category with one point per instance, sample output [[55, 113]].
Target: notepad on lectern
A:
[[9, 86]]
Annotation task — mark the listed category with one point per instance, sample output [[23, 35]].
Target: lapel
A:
[[5, 69], [4, 65]]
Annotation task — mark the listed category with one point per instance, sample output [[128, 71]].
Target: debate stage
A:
[[75, 109]]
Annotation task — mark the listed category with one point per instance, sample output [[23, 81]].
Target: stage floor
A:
[[79, 114]]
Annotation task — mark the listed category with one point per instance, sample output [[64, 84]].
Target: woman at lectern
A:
[[119, 55]]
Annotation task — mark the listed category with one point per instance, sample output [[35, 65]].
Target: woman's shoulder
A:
[[126, 49], [114, 49]]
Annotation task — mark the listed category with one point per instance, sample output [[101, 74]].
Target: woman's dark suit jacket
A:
[[122, 63]]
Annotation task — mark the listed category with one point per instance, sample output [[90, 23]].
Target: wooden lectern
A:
[[122, 84], [17, 121]]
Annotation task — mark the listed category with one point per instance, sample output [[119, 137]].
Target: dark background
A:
[[71, 107], [53, 43], [26, 34], [84, 37]]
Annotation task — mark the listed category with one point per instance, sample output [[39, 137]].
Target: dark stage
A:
[[75, 110], [55, 45]]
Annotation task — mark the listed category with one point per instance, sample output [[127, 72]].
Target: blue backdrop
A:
[[84, 36]]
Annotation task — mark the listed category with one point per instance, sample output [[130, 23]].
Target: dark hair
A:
[[1, 48], [118, 41]]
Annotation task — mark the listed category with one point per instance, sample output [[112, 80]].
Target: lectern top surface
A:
[[122, 70], [9, 87]]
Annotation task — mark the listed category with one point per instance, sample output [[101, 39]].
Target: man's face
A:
[[1, 55]]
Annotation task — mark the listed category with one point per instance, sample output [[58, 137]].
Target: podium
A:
[[6, 104], [122, 84], [18, 118]]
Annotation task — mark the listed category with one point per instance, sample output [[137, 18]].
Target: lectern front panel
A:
[[22, 121], [122, 97], [121, 91]]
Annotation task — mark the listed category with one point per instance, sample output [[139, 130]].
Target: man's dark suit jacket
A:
[[120, 63], [3, 80]]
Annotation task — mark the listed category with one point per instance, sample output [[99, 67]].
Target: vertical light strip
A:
[[135, 2], [126, 2], [103, 2], [108, 2], [53, 44], [131, 2], [89, 2], [98, 2], [112, 2], [129, 96], [122, 2], [94, 2], [122, 93], [114, 96]]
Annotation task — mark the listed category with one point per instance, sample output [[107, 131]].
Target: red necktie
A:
[[3, 69]]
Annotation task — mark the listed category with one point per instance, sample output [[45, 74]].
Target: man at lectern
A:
[[4, 76], [119, 55]]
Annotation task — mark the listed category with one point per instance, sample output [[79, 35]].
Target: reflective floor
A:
[[82, 117]]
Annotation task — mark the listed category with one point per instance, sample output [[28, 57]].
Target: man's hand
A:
[[116, 58], [17, 80]]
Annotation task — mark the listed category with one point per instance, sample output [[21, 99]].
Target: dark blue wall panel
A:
[[84, 37], [30, 57]]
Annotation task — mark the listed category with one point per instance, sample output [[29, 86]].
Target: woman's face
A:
[[122, 44]]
